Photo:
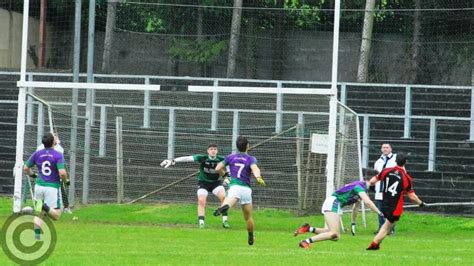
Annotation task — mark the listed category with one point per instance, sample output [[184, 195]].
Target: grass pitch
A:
[[142, 234]]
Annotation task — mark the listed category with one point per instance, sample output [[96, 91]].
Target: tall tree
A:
[[234, 38], [277, 61], [109, 35], [415, 49], [365, 46]]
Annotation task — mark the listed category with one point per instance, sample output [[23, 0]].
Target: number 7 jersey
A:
[[240, 168], [396, 182]]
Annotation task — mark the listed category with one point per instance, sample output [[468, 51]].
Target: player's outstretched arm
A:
[[169, 162], [256, 173], [414, 198], [355, 210], [373, 180], [365, 198]]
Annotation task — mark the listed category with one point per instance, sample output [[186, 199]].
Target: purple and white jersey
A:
[[48, 161], [239, 165], [349, 194]]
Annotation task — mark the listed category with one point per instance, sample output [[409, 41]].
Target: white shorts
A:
[[242, 193], [331, 204], [50, 195], [215, 191]]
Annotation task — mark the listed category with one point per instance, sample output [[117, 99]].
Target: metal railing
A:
[[407, 117]]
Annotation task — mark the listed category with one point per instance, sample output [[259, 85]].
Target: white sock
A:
[[224, 219]]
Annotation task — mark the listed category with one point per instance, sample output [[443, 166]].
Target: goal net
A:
[[284, 130]]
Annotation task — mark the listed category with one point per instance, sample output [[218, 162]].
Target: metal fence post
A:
[[235, 129], [30, 105], [365, 141], [103, 131], [407, 122], [432, 145], [171, 133], [119, 147], [279, 110], [471, 127], [146, 106], [40, 124], [215, 107]]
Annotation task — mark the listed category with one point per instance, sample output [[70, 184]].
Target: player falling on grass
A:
[[50, 164], [349, 194], [241, 167], [59, 148], [396, 182], [208, 179]]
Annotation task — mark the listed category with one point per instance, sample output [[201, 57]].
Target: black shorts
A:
[[390, 217], [209, 186]]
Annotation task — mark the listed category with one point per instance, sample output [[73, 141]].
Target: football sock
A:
[[37, 233], [46, 208], [224, 218], [201, 220], [224, 209], [312, 229], [308, 240]]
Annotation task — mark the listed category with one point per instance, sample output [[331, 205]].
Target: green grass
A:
[[139, 234]]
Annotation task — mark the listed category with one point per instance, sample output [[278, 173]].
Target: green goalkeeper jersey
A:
[[207, 168]]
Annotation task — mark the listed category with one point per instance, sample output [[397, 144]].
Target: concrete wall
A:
[[11, 24]]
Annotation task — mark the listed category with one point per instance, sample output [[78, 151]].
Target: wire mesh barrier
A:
[[449, 181], [282, 40], [181, 124]]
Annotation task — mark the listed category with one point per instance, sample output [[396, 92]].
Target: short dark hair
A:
[[242, 143], [48, 140], [401, 158], [212, 145]]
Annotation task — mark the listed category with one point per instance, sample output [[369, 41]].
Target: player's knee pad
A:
[[202, 192]]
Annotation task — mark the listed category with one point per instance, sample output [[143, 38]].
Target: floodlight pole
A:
[[330, 164], [20, 120]]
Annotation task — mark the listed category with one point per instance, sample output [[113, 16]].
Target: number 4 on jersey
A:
[[393, 188]]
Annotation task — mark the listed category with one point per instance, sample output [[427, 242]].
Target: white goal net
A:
[[157, 125]]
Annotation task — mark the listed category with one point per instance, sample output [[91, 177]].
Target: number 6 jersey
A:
[[48, 161], [396, 181]]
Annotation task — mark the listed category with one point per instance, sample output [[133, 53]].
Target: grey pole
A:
[[30, 105], [40, 124], [103, 131], [89, 98], [471, 130], [171, 135], [279, 110], [75, 100], [215, 107], [432, 145], [407, 124], [146, 106], [235, 129], [365, 142]]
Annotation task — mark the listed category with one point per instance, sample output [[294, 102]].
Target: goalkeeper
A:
[[241, 165], [332, 209], [208, 179]]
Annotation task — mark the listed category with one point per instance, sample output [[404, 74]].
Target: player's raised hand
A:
[[260, 181], [167, 163]]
